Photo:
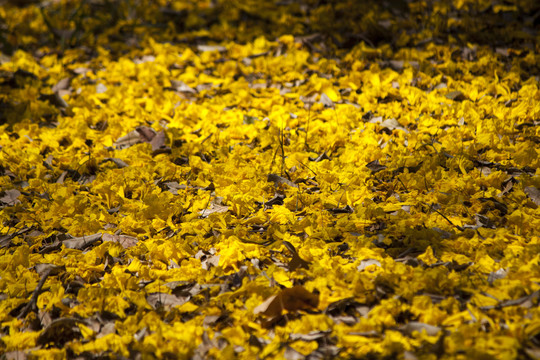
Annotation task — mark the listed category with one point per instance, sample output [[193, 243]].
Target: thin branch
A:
[[307, 167], [281, 144], [447, 219], [32, 304], [307, 129]]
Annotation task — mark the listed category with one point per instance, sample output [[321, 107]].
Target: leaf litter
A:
[[197, 189]]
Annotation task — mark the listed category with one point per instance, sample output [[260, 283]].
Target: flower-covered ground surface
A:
[[261, 179]]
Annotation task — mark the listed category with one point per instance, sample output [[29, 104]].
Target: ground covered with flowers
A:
[[259, 179]]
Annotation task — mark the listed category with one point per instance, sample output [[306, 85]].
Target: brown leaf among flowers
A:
[[290, 299], [82, 242], [60, 331], [278, 180], [124, 240], [10, 197], [141, 134], [533, 193], [157, 300], [296, 261]]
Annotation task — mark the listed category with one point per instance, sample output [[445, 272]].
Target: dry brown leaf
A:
[[533, 352], [146, 133], [82, 242], [290, 299], [347, 209], [55, 99], [375, 166], [413, 326], [158, 141], [62, 87], [365, 263], [455, 96], [124, 240], [211, 48], [326, 101], [60, 331], [128, 140], [107, 328], [296, 261], [484, 221], [270, 307], [101, 88], [81, 70], [182, 87], [533, 193], [311, 336], [216, 207], [144, 59], [276, 179], [157, 300], [52, 269], [15, 355], [211, 261], [508, 185], [202, 87], [140, 135], [63, 84], [5, 240], [118, 162], [292, 354], [390, 124], [10, 197]]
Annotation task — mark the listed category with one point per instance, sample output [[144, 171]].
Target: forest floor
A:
[[258, 179]]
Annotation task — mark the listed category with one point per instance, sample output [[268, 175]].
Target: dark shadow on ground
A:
[[338, 24]]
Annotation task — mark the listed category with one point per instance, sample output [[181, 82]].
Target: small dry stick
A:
[[32, 304]]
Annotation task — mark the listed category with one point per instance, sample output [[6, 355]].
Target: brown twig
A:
[[32, 304], [447, 219]]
